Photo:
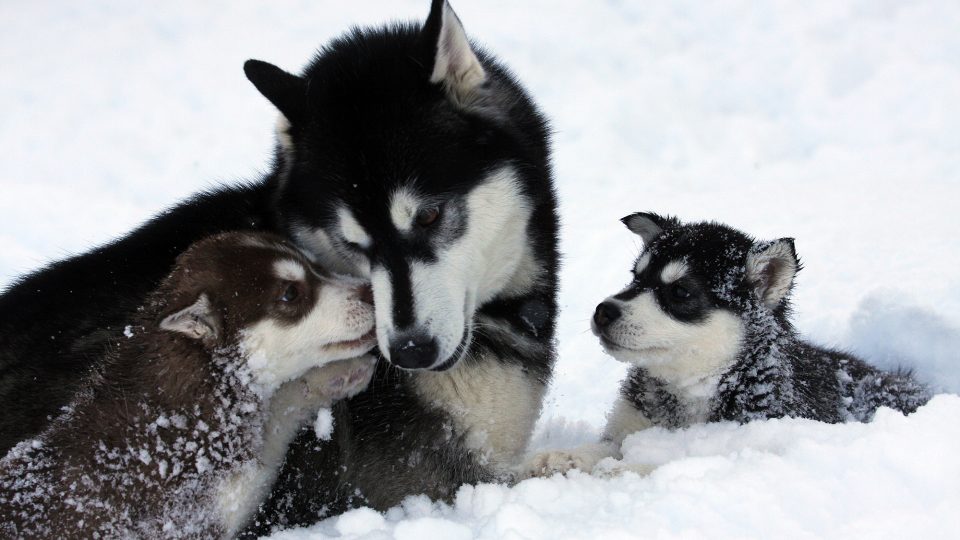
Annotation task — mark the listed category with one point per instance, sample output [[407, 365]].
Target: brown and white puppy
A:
[[181, 429]]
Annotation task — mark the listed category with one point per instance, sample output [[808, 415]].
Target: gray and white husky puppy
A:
[[705, 324]]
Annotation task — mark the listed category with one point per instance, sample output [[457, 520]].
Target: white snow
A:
[[323, 425], [769, 479], [831, 121], [892, 332]]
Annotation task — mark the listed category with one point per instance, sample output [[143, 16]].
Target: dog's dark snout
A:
[[414, 352], [606, 313]]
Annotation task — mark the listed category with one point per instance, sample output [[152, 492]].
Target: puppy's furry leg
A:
[[610, 468], [584, 458], [623, 420], [299, 400], [293, 404]]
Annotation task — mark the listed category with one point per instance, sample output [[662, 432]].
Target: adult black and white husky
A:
[[705, 323], [407, 157]]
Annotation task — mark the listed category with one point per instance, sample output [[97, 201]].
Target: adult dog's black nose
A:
[[413, 352], [606, 313]]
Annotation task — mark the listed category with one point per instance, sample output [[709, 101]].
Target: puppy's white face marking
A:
[[351, 230], [337, 327], [685, 355], [289, 270], [673, 271]]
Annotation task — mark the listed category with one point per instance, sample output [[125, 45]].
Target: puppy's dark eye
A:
[[680, 292], [290, 293], [428, 216]]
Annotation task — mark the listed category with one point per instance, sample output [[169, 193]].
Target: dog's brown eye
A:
[[680, 293], [290, 293], [428, 216]]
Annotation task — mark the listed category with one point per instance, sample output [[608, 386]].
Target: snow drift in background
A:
[[893, 334]]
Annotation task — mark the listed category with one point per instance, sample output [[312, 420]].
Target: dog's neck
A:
[[692, 373], [760, 384], [169, 371]]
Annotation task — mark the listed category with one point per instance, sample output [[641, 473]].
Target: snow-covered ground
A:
[[775, 479], [834, 122]]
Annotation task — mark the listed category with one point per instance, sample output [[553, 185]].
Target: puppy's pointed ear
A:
[[198, 320], [286, 91], [454, 64], [649, 225], [771, 267]]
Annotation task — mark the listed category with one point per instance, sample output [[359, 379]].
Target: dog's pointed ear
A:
[[771, 267], [648, 225], [198, 320], [286, 91], [454, 64]]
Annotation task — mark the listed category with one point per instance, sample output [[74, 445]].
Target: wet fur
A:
[[774, 373], [394, 439], [168, 418]]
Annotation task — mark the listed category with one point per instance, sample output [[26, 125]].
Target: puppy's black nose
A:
[[606, 313], [414, 352]]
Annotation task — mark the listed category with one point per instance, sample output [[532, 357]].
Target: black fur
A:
[[364, 119], [776, 373], [56, 321]]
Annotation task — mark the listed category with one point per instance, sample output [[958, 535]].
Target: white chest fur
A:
[[493, 406]]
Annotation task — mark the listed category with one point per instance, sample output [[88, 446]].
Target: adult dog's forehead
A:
[[391, 224], [364, 161]]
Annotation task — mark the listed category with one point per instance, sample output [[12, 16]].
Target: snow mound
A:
[[895, 477], [891, 333]]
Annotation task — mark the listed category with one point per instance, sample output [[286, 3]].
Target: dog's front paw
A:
[[584, 458], [343, 378], [610, 468], [553, 462]]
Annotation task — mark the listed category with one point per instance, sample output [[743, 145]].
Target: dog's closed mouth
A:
[[368, 339], [609, 344]]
